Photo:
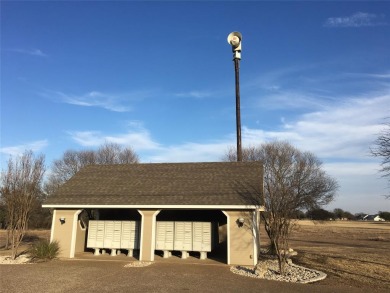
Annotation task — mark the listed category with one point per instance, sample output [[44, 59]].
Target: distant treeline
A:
[[40, 217], [337, 214]]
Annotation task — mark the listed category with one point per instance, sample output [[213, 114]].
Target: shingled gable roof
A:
[[168, 184]]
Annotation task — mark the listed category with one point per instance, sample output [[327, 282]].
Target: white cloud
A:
[[194, 94], [348, 169], [292, 100], [380, 76], [359, 19], [190, 152], [18, 150], [112, 102], [138, 138], [274, 80], [33, 52], [343, 130], [340, 134], [295, 87], [361, 187], [95, 99]]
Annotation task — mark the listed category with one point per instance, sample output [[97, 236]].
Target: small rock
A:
[[269, 269], [138, 264], [21, 259]]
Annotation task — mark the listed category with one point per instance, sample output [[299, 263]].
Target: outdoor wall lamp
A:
[[62, 220], [240, 222]]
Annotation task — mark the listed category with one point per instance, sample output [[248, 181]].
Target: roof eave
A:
[[179, 207]]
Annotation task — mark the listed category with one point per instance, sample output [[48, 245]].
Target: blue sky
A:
[[158, 76]]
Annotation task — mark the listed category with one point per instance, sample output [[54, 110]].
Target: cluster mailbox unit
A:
[[164, 237], [114, 235], [186, 236], [179, 236]]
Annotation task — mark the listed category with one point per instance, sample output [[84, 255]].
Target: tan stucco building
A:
[[226, 194]]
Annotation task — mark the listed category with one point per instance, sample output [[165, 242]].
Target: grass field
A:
[[30, 237], [355, 253], [352, 253]]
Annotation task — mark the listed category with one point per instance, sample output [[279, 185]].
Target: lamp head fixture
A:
[[62, 220], [240, 222]]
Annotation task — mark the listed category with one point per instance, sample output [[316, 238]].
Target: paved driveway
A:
[[112, 276]]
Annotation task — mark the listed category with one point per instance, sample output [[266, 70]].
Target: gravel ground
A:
[[138, 264], [21, 259], [294, 273], [111, 276]]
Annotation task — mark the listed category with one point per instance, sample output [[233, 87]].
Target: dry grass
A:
[[377, 238], [350, 252], [30, 237]]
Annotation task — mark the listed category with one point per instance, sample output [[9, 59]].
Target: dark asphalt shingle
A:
[[223, 183]]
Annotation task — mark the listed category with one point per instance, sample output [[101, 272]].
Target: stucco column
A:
[[148, 234], [241, 248], [65, 230]]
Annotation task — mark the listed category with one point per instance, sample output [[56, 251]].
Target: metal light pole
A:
[[234, 39]]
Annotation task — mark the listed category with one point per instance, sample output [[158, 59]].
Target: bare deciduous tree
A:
[[20, 188], [72, 161], [382, 150], [293, 180]]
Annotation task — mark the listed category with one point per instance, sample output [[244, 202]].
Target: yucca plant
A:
[[44, 250]]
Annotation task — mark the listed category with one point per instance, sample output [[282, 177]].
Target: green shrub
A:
[[44, 250]]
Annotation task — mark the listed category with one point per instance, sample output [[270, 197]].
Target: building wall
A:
[[222, 233], [63, 232], [241, 244], [240, 241], [81, 235]]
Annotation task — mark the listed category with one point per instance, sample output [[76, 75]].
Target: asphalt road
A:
[[112, 276]]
